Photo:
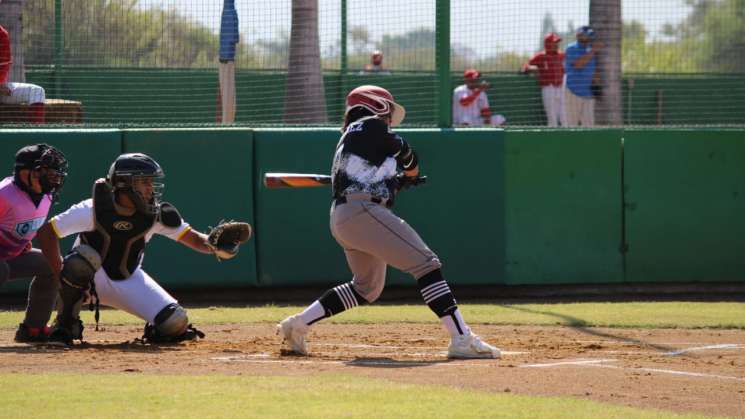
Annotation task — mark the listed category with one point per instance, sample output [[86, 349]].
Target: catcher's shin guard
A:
[[171, 326], [78, 270]]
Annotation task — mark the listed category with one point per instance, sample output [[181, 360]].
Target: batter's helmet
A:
[[377, 100], [124, 173]]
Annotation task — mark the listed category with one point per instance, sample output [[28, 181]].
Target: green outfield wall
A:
[[685, 205], [500, 207], [563, 206]]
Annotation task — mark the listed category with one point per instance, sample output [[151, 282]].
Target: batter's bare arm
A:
[[49, 245]]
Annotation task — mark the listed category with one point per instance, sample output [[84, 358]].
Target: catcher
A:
[[113, 228]]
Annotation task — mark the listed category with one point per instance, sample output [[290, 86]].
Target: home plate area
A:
[[682, 370]]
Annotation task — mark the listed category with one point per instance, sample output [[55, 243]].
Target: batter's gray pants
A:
[[42, 293], [373, 237]]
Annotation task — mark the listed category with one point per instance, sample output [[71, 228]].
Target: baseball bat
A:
[[295, 180]]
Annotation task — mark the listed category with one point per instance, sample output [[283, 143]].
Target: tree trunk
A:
[[605, 18], [10, 19], [305, 100]]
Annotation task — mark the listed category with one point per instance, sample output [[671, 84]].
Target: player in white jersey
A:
[[471, 105]]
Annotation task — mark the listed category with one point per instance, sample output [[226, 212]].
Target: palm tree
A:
[[605, 18], [10, 19], [305, 99]]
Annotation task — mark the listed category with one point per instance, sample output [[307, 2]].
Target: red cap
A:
[[551, 37], [471, 74]]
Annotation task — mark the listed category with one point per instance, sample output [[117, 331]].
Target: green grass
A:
[[322, 396], [637, 315]]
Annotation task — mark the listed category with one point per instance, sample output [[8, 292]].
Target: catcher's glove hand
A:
[[225, 238]]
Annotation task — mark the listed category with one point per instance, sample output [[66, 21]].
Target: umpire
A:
[[365, 180]]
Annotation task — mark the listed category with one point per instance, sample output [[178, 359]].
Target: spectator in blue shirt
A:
[[580, 63]]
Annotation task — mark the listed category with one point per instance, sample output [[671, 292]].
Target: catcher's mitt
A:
[[225, 238]]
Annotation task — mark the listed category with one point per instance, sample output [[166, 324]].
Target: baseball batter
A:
[[25, 199], [365, 180], [16, 93], [113, 228]]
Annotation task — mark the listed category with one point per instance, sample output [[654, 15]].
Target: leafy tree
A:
[[712, 35], [117, 34], [639, 55]]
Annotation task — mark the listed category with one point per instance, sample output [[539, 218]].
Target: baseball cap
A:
[[471, 74], [587, 31], [552, 37]]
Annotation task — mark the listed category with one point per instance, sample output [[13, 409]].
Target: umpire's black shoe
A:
[[60, 337], [26, 334]]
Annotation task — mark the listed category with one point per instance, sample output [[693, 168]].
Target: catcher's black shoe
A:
[[60, 337], [26, 334]]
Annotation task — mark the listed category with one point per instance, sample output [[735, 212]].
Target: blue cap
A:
[[586, 31]]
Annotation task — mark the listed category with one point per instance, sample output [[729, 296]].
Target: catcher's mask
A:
[[377, 100], [48, 162], [136, 175]]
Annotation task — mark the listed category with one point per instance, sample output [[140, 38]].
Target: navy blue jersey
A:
[[367, 159]]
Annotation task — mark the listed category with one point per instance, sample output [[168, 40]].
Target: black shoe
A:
[[26, 334], [60, 337], [63, 336]]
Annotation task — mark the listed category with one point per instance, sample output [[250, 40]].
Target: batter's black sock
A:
[[439, 298], [333, 301]]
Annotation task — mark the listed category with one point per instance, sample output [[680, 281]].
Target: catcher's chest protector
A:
[[119, 239]]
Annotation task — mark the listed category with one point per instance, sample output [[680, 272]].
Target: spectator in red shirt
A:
[[16, 93], [549, 64]]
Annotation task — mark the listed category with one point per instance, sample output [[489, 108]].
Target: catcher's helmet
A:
[[47, 159], [377, 100], [130, 168]]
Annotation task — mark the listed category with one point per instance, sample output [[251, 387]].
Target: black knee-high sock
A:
[[340, 298], [440, 299]]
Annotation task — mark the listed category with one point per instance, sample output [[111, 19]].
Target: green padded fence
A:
[[209, 176], [563, 207], [500, 207], [294, 242], [685, 201], [89, 153]]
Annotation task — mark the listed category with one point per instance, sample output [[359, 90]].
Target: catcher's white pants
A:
[[23, 93], [553, 104], [138, 295]]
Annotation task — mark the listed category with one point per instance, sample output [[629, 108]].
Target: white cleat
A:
[[471, 346], [293, 330]]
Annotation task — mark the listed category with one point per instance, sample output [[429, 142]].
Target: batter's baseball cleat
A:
[[293, 330], [26, 334], [471, 346]]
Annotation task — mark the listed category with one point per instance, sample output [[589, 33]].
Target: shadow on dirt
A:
[[583, 327], [384, 362]]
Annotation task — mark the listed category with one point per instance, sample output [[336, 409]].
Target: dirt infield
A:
[[701, 371]]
